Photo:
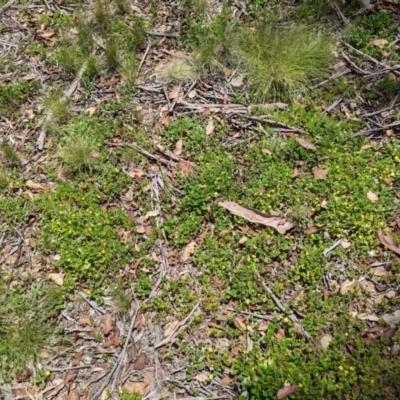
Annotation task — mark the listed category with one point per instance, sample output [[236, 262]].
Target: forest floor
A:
[[171, 228]]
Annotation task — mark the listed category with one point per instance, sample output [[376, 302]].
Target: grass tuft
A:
[[57, 105], [281, 60], [76, 154], [9, 154], [179, 70], [128, 69]]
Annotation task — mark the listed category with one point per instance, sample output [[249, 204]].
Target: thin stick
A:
[[338, 75], [367, 132], [251, 314], [166, 34], [284, 309], [177, 329], [10, 3], [142, 60], [171, 108], [367, 56], [118, 363], [140, 150]]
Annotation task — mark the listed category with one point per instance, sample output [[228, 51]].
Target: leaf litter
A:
[[106, 333]]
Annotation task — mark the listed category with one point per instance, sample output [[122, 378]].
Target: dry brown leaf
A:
[[94, 153], [153, 213], [210, 127], [286, 391], [378, 42], [38, 186], [106, 324], [85, 321], [307, 145], [367, 287], [159, 67], [141, 362], [320, 174], [187, 252], [174, 92], [226, 380], [392, 319], [257, 217], [136, 387], [345, 243], [201, 377], [70, 376], [114, 340], [170, 328], [237, 81], [77, 358], [243, 240], [73, 395], [388, 242], [238, 322], [379, 271], [192, 94], [372, 196], [348, 286], [325, 341], [47, 34], [186, 167], [178, 148], [56, 278], [29, 77], [389, 332]]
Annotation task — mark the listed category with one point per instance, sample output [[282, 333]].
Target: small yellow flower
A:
[[47, 373], [300, 385], [286, 320], [351, 368], [346, 334], [340, 368]]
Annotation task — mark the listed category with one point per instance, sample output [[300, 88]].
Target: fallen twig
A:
[[117, 366], [140, 150], [293, 318], [177, 329], [10, 3], [382, 128], [143, 59], [166, 34]]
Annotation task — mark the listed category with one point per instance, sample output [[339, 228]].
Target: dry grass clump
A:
[[179, 69]]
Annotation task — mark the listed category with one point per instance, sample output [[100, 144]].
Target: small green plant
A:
[[4, 179], [12, 96], [101, 15], [128, 69], [112, 53], [55, 103], [122, 300], [76, 154], [125, 395], [280, 60], [9, 154], [70, 58]]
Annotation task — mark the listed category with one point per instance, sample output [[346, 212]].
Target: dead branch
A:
[[283, 308]]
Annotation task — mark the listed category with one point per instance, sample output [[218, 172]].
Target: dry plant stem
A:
[[178, 328], [345, 72], [292, 317], [166, 34], [171, 108], [92, 304], [67, 94], [355, 67], [382, 128], [251, 314], [68, 368], [114, 372], [140, 150], [372, 59], [143, 59], [9, 4]]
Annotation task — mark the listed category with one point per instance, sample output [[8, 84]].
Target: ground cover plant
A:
[[199, 199]]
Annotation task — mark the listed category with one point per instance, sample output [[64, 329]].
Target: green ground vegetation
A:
[[87, 232]]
